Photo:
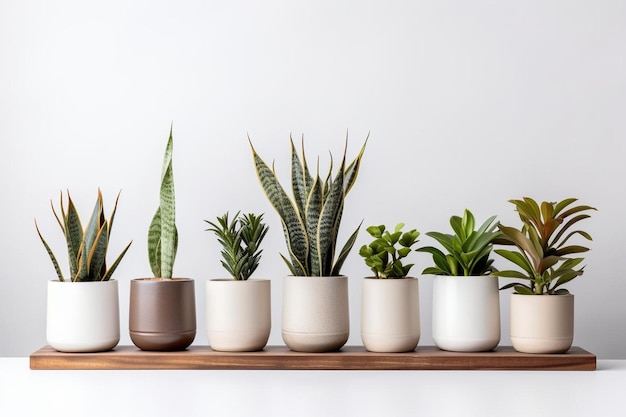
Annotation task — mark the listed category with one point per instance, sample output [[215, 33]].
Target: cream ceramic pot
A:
[[83, 316], [466, 313], [315, 313], [390, 315], [542, 323], [238, 314]]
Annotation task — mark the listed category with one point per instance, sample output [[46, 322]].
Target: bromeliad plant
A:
[[162, 234], [542, 253], [241, 240], [468, 249], [87, 248], [311, 220], [382, 255]]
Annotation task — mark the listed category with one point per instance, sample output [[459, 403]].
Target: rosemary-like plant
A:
[[241, 239]]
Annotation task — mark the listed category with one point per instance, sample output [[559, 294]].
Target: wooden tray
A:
[[279, 357]]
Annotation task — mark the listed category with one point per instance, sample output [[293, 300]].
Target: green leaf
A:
[[154, 244], [53, 258]]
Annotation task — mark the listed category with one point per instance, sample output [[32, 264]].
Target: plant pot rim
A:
[[81, 282], [543, 295], [389, 279], [466, 276], [316, 276], [156, 279], [239, 280]]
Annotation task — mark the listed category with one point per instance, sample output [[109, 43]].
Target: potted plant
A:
[[162, 313], [315, 311], [238, 310], [466, 303], [390, 314], [83, 310], [542, 311]]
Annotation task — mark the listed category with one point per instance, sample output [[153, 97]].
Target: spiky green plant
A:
[[542, 253], [86, 248], [241, 240], [382, 255], [162, 234], [468, 250], [311, 219]]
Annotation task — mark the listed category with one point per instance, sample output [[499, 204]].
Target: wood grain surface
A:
[[280, 357]]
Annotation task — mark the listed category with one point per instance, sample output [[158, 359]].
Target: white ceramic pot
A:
[[542, 323], [238, 314], [390, 314], [466, 313], [315, 313], [83, 316]]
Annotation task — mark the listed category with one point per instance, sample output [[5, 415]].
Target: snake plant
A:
[[542, 253], [87, 248], [382, 256], [311, 218], [240, 238], [162, 234], [468, 250]]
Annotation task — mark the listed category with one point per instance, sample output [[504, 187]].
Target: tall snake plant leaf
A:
[[162, 233], [292, 222], [73, 231], [310, 224]]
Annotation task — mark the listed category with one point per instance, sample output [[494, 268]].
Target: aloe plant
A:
[[468, 250], [542, 254], [241, 239], [86, 248], [162, 234], [311, 219], [382, 255]]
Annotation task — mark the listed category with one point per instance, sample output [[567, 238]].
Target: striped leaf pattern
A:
[[311, 220], [162, 233], [86, 249]]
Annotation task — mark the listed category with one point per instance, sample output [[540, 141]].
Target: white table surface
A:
[[598, 393]]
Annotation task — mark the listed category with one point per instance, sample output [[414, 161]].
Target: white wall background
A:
[[469, 104]]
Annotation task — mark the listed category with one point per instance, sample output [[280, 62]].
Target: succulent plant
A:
[[542, 253], [382, 255], [162, 234], [311, 219], [468, 250], [241, 240], [86, 248]]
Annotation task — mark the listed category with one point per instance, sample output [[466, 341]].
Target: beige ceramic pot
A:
[[83, 316], [466, 313], [390, 314], [542, 323], [238, 314], [162, 314], [315, 313]]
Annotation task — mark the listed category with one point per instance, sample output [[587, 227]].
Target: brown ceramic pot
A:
[[162, 313]]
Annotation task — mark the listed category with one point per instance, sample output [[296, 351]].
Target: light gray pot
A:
[[390, 314], [315, 313], [238, 314]]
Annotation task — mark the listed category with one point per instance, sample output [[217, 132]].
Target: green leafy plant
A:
[[382, 255], [311, 220], [241, 240], [468, 250], [86, 248], [162, 234], [542, 253]]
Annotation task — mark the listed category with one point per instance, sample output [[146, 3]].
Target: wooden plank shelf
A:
[[281, 358]]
